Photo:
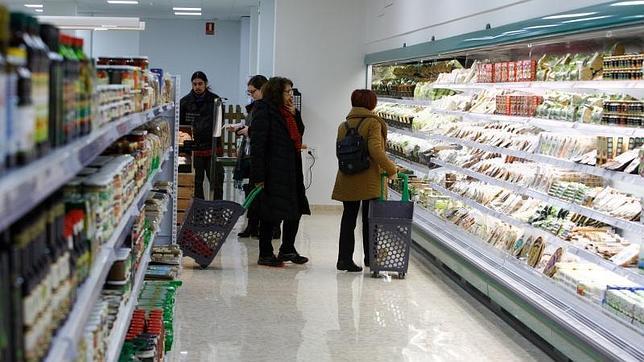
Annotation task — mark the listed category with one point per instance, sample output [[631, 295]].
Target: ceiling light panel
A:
[[123, 2], [186, 14], [187, 9], [34, 6]]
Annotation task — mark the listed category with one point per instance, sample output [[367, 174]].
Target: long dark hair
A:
[[273, 91], [257, 81]]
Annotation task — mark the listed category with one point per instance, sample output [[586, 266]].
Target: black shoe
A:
[[269, 261], [292, 257], [277, 233], [366, 263], [247, 233], [348, 266]]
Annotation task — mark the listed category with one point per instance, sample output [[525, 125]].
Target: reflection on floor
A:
[[239, 311]]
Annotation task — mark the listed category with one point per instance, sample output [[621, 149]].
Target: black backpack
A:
[[352, 151]]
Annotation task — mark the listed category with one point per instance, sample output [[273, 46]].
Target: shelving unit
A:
[[65, 342], [527, 294], [119, 330], [579, 328], [546, 124], [21, 190]]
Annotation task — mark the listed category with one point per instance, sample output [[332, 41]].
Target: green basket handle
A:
[[405, 191], [251, 197]]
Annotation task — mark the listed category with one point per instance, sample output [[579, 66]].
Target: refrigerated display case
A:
[[526, 143]]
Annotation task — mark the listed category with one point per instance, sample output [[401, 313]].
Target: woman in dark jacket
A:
[[276, 144]]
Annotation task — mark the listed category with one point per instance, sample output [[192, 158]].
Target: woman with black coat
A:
[[276, 164]]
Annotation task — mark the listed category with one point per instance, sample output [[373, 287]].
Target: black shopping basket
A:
[[390, 231], [208, 224]]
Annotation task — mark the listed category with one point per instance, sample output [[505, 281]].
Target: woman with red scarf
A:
[[276, 164]]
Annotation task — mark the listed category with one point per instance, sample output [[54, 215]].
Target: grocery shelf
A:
[[543, 123], [537, 301], [418, 168], [23, 189], [635, 180], [64, 343], [603, 85], [576, 208], [120, 327], [632, 275]]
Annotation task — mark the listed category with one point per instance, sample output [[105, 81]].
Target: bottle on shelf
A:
[[86, 86], [4, 44], [71, 84], [51, 36], [23, 121], [38, 61]]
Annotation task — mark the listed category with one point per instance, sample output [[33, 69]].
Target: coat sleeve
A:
[[259, 143], [376, 151]]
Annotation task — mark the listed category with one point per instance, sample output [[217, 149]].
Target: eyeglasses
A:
[[289, 92], [251, 92]]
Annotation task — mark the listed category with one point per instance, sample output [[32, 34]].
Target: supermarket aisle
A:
[[238, 311]]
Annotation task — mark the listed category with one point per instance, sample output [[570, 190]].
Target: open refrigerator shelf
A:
[[578, 328]]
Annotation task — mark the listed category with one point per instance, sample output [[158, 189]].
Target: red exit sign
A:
[[210, 28]]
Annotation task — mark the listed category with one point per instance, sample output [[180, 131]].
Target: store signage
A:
[[210, 28]]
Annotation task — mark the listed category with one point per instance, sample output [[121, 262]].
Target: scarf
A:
[[291, 124]]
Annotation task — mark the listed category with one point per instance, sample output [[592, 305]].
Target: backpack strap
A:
[[346, 124]]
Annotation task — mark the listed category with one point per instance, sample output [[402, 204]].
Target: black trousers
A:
[[202, 171], [289, 232], [347, 228]]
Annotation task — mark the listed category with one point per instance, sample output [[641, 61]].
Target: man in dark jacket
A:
[[200, 109]]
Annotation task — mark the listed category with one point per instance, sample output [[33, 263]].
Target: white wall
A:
[[390, 23], [266, 37], [244, 57], [182, 47], [318, 46], [114, 43]]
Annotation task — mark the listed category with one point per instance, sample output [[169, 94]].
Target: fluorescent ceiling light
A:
[[187, 14], [587, 19], [186, 9], [628, 3], [34, 6], [93, 22], [542, 26], [565, 16], [39, 10], [123, 2]]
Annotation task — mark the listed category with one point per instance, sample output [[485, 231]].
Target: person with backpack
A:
[[360, 148], [276, 165]]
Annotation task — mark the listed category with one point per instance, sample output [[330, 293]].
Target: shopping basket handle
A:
[[251, 197], [405, 191]]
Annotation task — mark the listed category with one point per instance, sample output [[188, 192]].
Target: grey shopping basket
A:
[[390, 231], [208, 224]]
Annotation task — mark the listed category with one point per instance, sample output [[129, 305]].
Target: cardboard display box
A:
[[184, 192], [183, 204], [186, 179]]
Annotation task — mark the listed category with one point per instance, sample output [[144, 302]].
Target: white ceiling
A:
[[211, 9]]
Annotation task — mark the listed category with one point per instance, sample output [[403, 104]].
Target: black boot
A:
[[270, 261], [348, 266], [248, 232]]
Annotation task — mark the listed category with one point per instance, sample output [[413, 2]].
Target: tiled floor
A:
[[239, 311]]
